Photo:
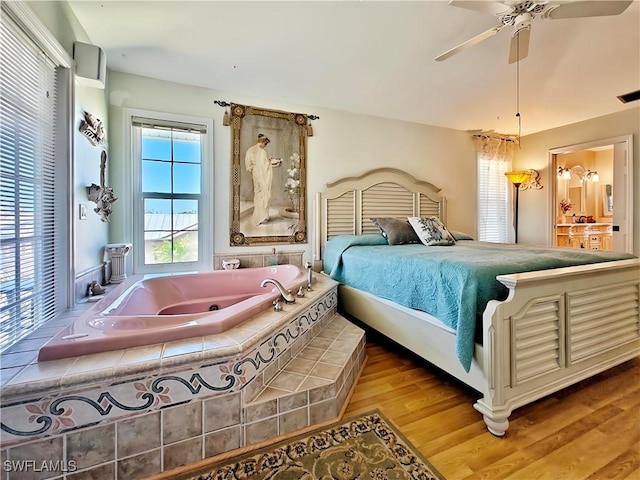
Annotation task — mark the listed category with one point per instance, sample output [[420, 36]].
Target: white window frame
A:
[[205, 217]]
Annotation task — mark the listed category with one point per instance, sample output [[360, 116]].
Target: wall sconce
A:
[[592, 175], [564, 173], [518, 178]]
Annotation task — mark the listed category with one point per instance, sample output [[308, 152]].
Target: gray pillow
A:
[[460, 235], [397, 232], [431, 231]]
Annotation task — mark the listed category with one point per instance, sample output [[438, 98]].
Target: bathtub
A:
[[175, 307]]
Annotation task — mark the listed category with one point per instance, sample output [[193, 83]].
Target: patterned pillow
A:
[[431, 231], [397, 232]]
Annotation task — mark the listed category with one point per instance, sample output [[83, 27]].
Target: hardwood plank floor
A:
[[588, 431]]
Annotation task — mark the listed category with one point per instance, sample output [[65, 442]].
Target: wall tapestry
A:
[[268, 176]]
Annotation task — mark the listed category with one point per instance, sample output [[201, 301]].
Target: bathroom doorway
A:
[[592, 195]]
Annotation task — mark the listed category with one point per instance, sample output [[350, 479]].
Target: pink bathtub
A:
[[163, 309]]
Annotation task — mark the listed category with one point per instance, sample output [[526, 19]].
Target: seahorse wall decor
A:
[[102, 195]]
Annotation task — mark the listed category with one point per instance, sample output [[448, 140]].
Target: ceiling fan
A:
[[519, 14]]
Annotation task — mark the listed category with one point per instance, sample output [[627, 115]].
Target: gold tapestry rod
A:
[[222, 103]]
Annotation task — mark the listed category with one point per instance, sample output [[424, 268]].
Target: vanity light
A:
[[582, 174], [564, 173], [593, 176]]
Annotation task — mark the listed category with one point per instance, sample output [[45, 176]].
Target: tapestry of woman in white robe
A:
[[257, 162]]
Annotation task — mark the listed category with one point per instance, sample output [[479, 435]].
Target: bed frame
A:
[[556, 327]]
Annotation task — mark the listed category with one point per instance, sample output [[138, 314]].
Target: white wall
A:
[[344, 144], [535, 205], [91, 235]]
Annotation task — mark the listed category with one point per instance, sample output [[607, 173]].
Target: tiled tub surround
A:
[[140, 411], [83, 280], [260, 259], [102, 272]]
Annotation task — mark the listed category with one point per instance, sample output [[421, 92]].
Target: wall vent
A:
[[91, 64], [629, 97]]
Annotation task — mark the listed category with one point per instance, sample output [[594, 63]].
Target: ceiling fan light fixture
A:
[[520, 14], [523, 21]]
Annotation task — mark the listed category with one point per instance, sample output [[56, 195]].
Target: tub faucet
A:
[[286, 294], [307, 265]]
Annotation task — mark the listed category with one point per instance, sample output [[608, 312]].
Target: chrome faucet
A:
[[307, 265], [286, 294], [277, 305]]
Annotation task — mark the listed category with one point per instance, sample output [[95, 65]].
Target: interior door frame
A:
[[622, 187]]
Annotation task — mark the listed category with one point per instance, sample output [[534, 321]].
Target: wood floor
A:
[[588, 431]]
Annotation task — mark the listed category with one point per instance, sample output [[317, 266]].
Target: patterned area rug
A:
[[364, 447]]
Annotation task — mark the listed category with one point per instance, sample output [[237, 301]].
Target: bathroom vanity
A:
[[596, 236]]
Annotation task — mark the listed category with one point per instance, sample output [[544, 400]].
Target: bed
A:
[[547, 330]]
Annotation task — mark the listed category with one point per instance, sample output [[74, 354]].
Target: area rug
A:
[[364, 447]]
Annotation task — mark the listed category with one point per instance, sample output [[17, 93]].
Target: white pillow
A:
[[431, 231]]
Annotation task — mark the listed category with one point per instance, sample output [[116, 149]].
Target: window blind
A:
[[28, 289], [494, 201], [167, 125]]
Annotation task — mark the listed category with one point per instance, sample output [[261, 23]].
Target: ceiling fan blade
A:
[[589, 8], [519, 48], [492, 8], [470, 43]]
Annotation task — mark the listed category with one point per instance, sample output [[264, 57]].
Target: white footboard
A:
[[557, 327]]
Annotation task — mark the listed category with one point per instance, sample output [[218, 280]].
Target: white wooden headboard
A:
[[348, 203]]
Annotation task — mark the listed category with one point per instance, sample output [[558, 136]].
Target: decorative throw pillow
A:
[[431, 231], [397, 232]]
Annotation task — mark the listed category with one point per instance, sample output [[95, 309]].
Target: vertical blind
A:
[[28, 289]]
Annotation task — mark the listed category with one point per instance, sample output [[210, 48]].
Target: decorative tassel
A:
[[225, 118], [309, 130]]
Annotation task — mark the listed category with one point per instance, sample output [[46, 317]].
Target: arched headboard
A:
[[347, 204]]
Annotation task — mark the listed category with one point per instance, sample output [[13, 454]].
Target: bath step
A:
[[312, 386]]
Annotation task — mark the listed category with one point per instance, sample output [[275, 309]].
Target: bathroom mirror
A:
[[576, 199], [607, 200]]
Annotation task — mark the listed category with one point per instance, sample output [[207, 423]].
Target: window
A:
[[34, 278], [171, 160], [494, 190]]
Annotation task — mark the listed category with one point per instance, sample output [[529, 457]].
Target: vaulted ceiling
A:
[[377, 58]]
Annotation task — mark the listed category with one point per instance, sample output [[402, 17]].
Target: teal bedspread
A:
[[452, 283]]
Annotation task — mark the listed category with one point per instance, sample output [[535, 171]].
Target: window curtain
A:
[[495, 192]]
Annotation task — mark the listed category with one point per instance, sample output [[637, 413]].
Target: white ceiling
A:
[[377, 58]]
